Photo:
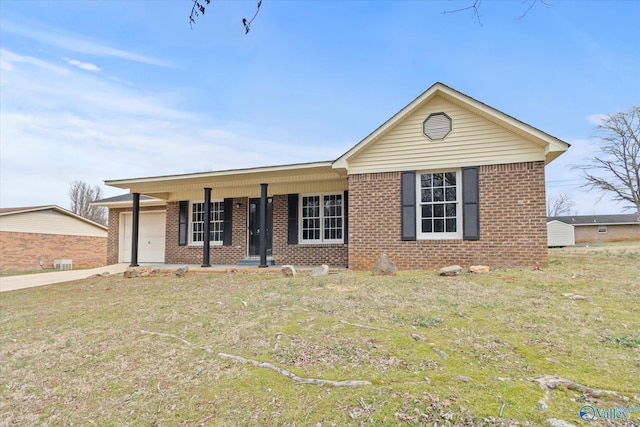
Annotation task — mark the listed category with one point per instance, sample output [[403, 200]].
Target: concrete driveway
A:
[[12, 283]]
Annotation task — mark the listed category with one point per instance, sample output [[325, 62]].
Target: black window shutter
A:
[[345, 217], [227, 222], [408, 201], [471, 204], [183, 222], [292, 220]]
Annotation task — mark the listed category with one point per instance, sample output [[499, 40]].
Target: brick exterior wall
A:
[[512, 222], [176, 254], [513, 228], [113, 242], [24, 251], [283, 253], [615, 233]]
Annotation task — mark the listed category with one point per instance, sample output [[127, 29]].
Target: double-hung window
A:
[[439, 213], [322, 218], [216, 219]]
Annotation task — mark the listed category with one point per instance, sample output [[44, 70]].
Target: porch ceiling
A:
[[300, 178]]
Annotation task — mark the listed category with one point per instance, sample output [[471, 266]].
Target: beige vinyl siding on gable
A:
[[473, 141], [49, 221]]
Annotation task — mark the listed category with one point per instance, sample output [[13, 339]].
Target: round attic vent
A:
[[437, 126]]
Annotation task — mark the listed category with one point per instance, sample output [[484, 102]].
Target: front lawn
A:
[[512, 347]]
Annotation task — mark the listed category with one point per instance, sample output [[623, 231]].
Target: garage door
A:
[[151, 230]]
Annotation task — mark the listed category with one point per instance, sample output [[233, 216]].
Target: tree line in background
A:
[[82, 195]]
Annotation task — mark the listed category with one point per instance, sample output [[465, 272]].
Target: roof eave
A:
[[128, 183]]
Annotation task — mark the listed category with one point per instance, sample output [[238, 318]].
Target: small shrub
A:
[[625, 341], [340, 350]]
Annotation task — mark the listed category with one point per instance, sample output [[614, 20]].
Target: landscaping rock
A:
[[288, 271], [440, 353], [384, 267], [418, 337], [452, 270], [130, 273], [479, 269], [180, 272], [323, 270]]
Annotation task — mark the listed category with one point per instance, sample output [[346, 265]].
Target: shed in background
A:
[[560, 234]]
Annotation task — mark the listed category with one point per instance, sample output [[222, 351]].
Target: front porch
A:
[[290, 215]]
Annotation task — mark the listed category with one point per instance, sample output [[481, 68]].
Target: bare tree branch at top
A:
[[475, 8], [616, 169], [200, 6]]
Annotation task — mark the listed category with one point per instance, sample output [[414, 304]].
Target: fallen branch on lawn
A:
[[267, 365], [551, 382], [294, 377], [357, 325]]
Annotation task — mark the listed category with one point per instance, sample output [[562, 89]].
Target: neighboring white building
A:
[[560, 234]]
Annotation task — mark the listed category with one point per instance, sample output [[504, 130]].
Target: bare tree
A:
[[559, 204], [82, 194], [616, 169], [200, 6], [475, 5]]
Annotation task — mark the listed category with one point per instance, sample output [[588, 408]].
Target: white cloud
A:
[[73, 42], [61, 127], [8, 59], [83, 65], [597, 119]]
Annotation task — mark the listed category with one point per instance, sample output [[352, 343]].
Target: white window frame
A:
[[602, 229], [193, 242], [321, 218], [420, 235]]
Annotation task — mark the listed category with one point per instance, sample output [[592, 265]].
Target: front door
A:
[[254, 227]]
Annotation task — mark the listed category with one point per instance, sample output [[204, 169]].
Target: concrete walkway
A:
[[12, 283]]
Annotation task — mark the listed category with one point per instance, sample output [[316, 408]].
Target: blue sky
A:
[[95, 90]]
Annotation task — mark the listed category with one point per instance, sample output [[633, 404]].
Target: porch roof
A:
[[282, 179]]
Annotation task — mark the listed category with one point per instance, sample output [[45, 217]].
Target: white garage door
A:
[[151, 237]]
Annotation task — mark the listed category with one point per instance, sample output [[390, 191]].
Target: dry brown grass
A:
[[74, 354]]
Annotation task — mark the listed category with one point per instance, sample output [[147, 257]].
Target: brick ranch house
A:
[[446, 180], [34, 237]]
